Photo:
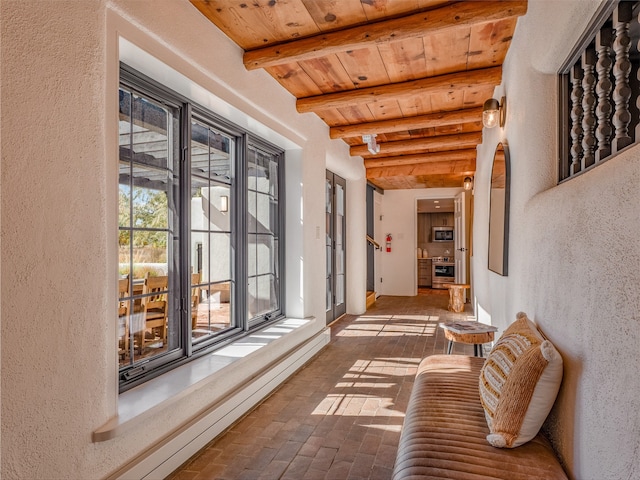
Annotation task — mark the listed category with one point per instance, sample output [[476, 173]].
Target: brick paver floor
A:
[[340, 416]]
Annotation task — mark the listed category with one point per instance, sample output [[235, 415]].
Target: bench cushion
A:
[[444, 431]]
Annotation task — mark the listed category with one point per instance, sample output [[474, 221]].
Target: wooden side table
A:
[[470, 332], [456, 295]]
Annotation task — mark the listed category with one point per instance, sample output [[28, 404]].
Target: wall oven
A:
[[442, 271]]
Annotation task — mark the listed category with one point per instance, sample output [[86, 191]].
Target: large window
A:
[[200, 230]]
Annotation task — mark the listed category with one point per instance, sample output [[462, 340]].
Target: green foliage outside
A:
[[149, 246]]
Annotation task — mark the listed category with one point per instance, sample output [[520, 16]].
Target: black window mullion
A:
[[240, 194], [185, 230]]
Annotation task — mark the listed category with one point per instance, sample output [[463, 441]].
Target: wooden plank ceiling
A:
[[413, 72]]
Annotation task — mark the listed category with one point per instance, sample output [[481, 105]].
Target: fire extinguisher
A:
[[388, 245]]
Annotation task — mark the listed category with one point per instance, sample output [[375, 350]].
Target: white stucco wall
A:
[[574, 263], [59, 184]]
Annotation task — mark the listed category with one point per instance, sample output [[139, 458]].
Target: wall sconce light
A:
[[494, 113], [372, 145], [224, 203], [468, 183]]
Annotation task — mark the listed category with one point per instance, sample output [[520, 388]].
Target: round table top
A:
[[458, 285]]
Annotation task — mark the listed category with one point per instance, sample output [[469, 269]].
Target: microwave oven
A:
[[442, 234]]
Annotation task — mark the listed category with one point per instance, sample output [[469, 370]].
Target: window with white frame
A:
[[200, 230]]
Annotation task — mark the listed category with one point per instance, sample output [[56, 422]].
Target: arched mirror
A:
[[499, 211]]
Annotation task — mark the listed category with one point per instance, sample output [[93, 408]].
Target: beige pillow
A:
[[519, 383]]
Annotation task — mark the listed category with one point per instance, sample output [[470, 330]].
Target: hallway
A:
[[340, 416]]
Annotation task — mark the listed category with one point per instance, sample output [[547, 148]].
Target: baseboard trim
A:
[[166, 456]]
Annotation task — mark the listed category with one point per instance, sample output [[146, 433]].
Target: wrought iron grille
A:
[[599, 90]]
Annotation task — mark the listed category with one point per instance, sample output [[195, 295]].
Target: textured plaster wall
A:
[[59, 244], [574, 263]]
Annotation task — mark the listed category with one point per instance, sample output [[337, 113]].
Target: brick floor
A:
[[340, 416]]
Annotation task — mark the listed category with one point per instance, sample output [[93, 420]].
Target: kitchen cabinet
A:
[[442, 219], [424, 229], [424, 272]]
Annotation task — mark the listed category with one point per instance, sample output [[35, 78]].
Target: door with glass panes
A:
[[336, 219]]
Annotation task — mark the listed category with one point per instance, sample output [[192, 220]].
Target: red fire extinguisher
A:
[[388, 245]]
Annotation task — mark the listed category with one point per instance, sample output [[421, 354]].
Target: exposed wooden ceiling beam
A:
[[460, 167], [441, 142], [412, 26], [442, 84], [440, 119], [465, 155]]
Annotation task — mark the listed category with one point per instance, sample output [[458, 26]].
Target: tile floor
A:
[[340, 416]]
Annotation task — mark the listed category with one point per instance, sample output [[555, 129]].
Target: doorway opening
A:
[[443, 241]]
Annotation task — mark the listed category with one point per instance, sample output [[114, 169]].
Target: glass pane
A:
[[252, 254], [198, 240], [339, 251], [199, 150], [148, 319], [199, 204], [217, 258], [252, 212], [274, 220], [251, 169], [262, 171], [210, 310], [150, 205], [124, 253], [150, 140], [124, 123], [150, 254], [339, 289], [273, 178], [329, 301], [124, 204], [273, 298], [264, 254], [252, 297], [266, 293], [217, 196], [339, 201], [328, 255], [212, 153], [220, 150], [263, 213]]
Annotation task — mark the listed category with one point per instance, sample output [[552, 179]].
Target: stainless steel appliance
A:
[[442, 271], [442, 234]]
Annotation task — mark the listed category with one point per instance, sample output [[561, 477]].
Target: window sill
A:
[[142, 402]]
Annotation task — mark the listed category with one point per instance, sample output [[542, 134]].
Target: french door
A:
[[336, 220]]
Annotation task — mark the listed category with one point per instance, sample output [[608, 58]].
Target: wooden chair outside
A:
[[195, 299], [123, 317], [154, 312]]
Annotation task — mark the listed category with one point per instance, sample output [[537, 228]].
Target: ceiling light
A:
[[436, 201], [437, 206], [494, 112], [372, 145], [468, 183]]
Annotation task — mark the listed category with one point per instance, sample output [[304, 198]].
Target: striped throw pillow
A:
[[519, 383]]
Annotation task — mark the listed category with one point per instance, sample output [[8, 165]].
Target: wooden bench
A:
[[444, 431]]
